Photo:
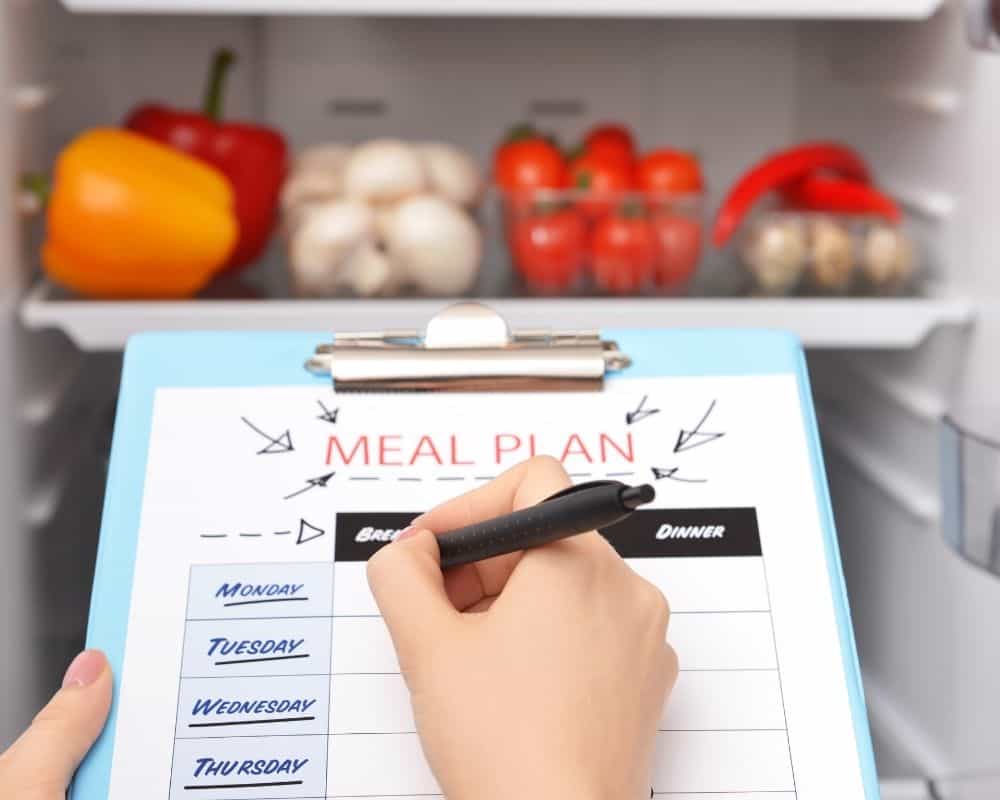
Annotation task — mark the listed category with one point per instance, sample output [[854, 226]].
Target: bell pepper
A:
[[777, 171], [254, 158], [128, 217]]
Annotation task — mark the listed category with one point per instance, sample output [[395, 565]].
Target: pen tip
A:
[[634, 496]]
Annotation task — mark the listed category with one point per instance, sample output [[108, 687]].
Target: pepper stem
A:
[[221, 61]]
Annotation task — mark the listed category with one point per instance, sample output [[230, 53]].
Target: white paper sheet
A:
[[256, 662]]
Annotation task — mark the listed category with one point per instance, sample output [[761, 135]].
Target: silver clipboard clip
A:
[[468, 347]]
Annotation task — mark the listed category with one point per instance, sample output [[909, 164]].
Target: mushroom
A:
[[326, 239], [316, 177], [435, 245], [384, 171], [452, 173], [775, 253]]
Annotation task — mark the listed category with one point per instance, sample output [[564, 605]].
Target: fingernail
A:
[[406, 533], [85, 669]]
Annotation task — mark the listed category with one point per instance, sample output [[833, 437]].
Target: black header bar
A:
[[360, 535], [648, 533], [681, 532]]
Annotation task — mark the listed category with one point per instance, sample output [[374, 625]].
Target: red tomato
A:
[[624, 253], [679, 241], [669, 172], [603, 180], [549, 249], [613, 142], [533, 163]]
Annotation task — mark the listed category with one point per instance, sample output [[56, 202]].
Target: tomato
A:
[[624, 252], [531, 163], [679, 243], [669, 172], [612, 142], [603, 180], [549, 249]]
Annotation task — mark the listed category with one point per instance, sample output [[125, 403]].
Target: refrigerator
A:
[[913, 85]]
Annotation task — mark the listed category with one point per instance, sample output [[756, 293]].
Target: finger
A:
[[523, 485], [406, 579], [41, 763]]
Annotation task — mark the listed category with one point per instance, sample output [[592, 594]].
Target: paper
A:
[[257, 666]]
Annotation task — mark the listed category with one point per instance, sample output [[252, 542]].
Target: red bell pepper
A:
[[840, 195], [779, 170], [254, 158]]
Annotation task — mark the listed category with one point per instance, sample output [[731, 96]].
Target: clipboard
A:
[[467, 355]]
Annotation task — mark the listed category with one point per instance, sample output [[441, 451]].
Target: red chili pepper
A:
[[778, 170], [822, 193], [254, 158]]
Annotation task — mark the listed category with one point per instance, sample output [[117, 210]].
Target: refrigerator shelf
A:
[[886, 323], [756, 9]]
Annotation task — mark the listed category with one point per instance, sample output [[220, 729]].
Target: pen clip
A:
[[581, 486]]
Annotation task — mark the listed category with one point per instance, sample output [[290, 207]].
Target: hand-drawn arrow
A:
[[689, 440], [279, 444], [328, 415], [308, 532], [641, 412], [312, 483], [671, 474]]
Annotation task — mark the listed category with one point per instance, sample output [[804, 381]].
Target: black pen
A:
[[578, 509]]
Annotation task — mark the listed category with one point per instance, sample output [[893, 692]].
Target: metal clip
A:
[[468, 347]]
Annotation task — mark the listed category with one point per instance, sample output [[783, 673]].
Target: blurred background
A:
[[825, 166]]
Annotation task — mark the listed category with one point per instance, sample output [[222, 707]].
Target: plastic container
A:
[[787, 252], [970, 484], [565, 242]]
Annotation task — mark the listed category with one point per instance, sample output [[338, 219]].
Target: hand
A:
[[554, 688], [40, 765]]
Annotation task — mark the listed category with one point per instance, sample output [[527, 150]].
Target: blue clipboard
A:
[[157, 360]]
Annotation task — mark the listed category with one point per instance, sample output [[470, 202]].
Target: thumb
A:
[[408, 585], [40, 764]]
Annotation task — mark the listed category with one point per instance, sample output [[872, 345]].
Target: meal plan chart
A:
[[256, 664]]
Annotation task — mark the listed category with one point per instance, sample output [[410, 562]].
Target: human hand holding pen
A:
[[553, 690]]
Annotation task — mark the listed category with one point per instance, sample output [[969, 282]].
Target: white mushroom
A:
[[370, 272], [453, 174], [316, 177], [384, 171], [325, 240], [435, 244], [887, 257], [775, 253]]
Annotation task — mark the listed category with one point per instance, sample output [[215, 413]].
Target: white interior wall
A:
[[921, 105]]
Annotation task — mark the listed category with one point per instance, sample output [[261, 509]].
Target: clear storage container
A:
[[576, 241]]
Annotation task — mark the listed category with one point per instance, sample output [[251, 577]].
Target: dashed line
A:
[[282, 533], [484, 478], [363, 478], [619, 474], [450, 478], [251, 535], [409, 479], [580, 474], [214, 535]]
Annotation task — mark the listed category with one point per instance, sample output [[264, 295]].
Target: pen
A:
[[578, 509]]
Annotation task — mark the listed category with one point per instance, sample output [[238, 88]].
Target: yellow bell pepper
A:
[[129, 217]]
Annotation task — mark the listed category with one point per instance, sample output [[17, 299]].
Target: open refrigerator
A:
[[911, 84]]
